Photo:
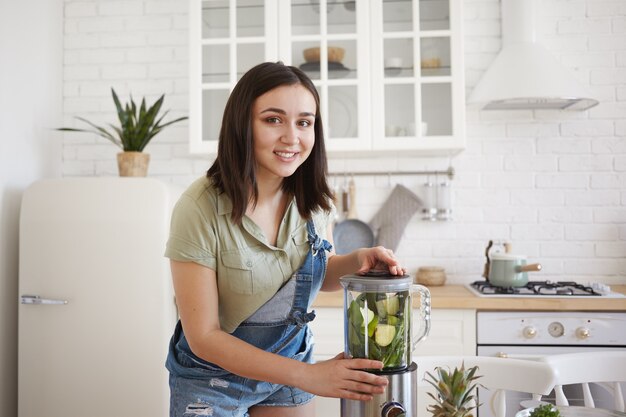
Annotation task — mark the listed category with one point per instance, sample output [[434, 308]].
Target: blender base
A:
[[398, 400]]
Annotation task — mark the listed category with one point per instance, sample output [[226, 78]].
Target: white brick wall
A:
[[552, 183]]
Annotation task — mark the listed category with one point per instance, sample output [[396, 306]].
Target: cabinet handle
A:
[[35, 299]]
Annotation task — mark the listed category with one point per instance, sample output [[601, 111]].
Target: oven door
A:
[[574, 394]]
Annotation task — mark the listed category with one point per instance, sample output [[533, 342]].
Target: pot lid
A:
[[507, 257], [376, 281]]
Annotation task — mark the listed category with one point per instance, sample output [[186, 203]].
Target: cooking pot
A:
[[506, 270]]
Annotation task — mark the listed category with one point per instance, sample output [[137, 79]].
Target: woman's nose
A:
[[291, 135]]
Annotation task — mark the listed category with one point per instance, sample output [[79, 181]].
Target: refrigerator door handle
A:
[[35, 299]]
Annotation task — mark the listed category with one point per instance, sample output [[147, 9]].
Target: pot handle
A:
[[423, 315], [528, 268]]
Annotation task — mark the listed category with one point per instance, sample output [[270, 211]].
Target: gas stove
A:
[[565, 289]]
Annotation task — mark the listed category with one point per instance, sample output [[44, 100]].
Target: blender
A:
[[379, 324]]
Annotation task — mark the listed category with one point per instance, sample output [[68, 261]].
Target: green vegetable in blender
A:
[[385, 339]]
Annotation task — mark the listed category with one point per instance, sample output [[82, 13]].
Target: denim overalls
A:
[[200, 388]]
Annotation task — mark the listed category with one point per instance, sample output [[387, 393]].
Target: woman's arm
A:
[[359, 261], [197, 299]]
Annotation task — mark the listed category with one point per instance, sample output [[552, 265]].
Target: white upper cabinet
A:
[[389, 73]]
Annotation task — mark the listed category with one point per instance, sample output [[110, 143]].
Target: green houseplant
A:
[[137, 126], [454, 391]]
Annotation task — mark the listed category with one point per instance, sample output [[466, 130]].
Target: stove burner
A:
[[543, 288], [564, 291]]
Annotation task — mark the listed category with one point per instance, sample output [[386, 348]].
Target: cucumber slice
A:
[[384, 334], [393, 305], [381, 306], [370, 314]]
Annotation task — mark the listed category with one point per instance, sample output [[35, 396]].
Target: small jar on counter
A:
[[431, 276]]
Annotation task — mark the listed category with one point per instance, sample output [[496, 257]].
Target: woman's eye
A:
[[305, 123], [273, 120]]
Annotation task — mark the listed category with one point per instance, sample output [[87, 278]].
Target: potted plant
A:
[[454, 391], [137, 127]]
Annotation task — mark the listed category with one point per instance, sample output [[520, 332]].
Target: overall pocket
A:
[[192, 366], [243, 269]]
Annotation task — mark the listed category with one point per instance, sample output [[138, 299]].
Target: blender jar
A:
[[378, 317]]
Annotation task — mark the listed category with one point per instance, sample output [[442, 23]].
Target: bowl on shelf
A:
[[430, 63], [335, 54]]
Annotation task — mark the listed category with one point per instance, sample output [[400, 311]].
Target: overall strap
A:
[[299, 314], [315, 241]]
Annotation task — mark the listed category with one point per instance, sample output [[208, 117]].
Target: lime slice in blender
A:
[[384, 334]]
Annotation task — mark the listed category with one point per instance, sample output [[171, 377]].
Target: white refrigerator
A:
[[96, 301]]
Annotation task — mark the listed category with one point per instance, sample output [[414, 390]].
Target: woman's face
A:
[[283, 130]]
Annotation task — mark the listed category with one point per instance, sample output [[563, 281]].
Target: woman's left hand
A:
[[379, 258]]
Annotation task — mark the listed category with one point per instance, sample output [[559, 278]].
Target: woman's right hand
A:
[[344, 378]]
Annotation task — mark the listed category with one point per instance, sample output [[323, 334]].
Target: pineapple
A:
[[455, 392]]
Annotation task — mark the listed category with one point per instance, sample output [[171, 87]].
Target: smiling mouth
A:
[[285, 154]]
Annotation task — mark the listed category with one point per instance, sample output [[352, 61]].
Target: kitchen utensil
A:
[[379, 324], [429, 210], [351, 233], [352, 212], [486, 267], [444, 201], [507, 270], [384, 302]]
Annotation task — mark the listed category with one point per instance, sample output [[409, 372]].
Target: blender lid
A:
[[376, 281]]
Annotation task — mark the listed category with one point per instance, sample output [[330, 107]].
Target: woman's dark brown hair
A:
[[233, 171]]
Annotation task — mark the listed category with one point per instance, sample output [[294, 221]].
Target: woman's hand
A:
[[344, 378], [379, 258]]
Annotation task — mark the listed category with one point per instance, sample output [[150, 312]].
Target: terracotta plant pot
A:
[[133, 164]]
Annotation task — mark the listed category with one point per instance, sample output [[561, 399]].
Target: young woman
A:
[[250, 247]]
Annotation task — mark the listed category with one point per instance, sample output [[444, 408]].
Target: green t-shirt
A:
[[249, 270]]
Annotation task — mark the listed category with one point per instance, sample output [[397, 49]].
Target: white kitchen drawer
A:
[[452, 332]]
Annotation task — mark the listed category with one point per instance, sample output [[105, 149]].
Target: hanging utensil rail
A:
[[449, 172]]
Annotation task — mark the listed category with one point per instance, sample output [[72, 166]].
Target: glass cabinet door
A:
[[389, 72], [414, 77], [327, 41], [231, 36]]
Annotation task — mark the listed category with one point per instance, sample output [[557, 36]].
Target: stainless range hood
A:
[[525, 75]]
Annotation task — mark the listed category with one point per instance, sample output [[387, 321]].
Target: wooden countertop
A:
[[459, 297]]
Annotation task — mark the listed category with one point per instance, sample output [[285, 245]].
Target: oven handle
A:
[[519, 356]]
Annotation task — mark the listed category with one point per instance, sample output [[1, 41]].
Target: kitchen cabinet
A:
[[452, 332], [398, 87]]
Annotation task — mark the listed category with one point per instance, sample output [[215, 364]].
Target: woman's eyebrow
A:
[[281, 111]]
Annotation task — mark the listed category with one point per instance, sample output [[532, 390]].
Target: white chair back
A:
[[606, 368], [498, 375]]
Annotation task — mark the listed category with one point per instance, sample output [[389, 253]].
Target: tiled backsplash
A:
[[552, 183]]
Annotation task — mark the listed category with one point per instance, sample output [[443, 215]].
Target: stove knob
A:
[[393, 409], [529, 332], [582, 333]]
